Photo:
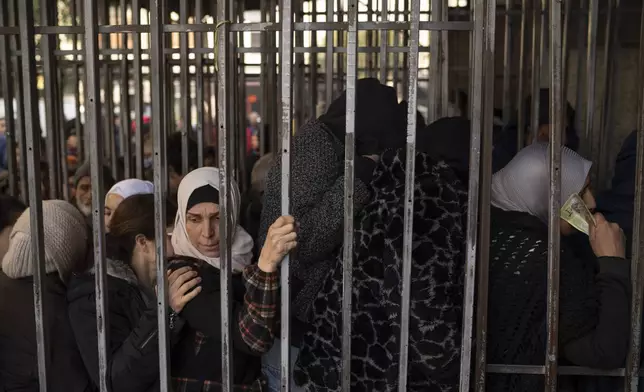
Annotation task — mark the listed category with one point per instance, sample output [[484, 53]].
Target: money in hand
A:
[[577, 214]]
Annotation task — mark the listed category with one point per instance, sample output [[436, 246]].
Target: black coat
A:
[[134, 361], [18, 355], [594, 298]]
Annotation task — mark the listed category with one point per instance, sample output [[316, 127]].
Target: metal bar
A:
[[32, 156], [298, 82], [93, 125], [581, 48], [405, 58], [434, 85], [349, 163], [487, 105], [637, 265], [396, 42], [125, 101], [242, 172], [273, 79], [223, 132], [340, 43], [476, 100], [48, 17], [9, 115], [384, 40], [591, 59], [563, 370], [554, 235], [286, 72], [566, 55], [184, 88], [21, 128], [537, 37], [328, 58], [313, 68], [264, 104], [521, 120], [199, 86], [108, 89], [507, 65], [444, 101], [410, 175], [157, 80], [61, 140], [138, 87]]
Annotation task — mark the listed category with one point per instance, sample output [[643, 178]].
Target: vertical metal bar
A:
[[76, 83], [199, 85], [593, 18], [536, 69], [273, 86], [264, 104], [21, 124], [340, 56], [93, 124], [224, 132], [581, 48], [605, 99], [242, 112], [313, 66], [185, 87], [9, 115], [476, 100], [566, 55], [384, 39], [637, 264], [521, 120], [507, 65], [108, 89], [298, 86], [554, 235], [48, 17], [61, 140], [434, 67], [410, 174], [125, 99], [138, 88], [157, 81], [329, 55], [487, 24], [444, 81], [396, 43], [349, 162], [32, 156]]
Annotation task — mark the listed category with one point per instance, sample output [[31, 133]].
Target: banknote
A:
[[575, 212]]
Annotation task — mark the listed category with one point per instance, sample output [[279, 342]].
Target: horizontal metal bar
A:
[[562, 370], [261, 26]]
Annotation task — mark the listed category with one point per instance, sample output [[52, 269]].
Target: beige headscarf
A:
[[242, 247]]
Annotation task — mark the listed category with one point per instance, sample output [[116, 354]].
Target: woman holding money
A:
[[594, 294]]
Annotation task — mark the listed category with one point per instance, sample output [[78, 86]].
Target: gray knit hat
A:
[[65, 241]]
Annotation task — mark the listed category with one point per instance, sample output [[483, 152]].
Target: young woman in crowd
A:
[[65, 245], [595, 293], [121, 191], [196, 240]]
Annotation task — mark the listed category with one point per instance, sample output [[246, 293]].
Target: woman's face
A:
[[202, 225], [589, 199], [146, 248], [112, 202]]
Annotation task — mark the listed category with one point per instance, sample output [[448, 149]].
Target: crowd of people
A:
[[595, 295]]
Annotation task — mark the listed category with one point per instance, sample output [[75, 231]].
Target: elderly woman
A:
[[196, 363], [121, 191], [595, 293]]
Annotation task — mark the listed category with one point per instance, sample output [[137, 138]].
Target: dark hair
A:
[[133, 217], [174, 153], [10, 210]]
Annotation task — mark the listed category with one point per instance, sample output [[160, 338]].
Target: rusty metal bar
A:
[[554, 235], [637, 265], [32, 156], [349, 163], [591, 59], [159, 132], [226, 40], [485, 18], [93, 127], [410, 174], [471, 237], [286, 72]]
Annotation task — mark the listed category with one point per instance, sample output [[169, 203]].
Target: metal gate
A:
[[183, 58]]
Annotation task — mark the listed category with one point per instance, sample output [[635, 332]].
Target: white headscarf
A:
[[131, 187], [242, 248], [523, 185]]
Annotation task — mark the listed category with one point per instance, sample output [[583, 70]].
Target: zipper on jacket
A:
[[147, 340]]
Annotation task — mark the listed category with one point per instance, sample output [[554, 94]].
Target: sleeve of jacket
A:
[[134, 364], [203, 313], [314, 157], [606, 346], [258, 317]]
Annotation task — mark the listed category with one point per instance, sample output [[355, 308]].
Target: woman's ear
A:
[[140, 241]]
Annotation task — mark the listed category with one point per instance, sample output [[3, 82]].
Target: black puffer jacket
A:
[[18, 355], [134, 360], [594, 298]]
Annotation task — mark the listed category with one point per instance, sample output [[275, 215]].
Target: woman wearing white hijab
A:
[[121, 191], [196, 244], [594, 295]]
